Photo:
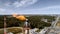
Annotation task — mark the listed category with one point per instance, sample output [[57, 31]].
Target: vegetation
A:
[[38, 30], [35, 21], [1, 21], [1, 31], [14, 30]]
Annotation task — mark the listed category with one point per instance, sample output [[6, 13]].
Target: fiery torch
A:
[[23, 18]]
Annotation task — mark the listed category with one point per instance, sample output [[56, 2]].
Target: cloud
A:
[[2, 10], [50, 10], [24, 3], [5, 11], [17, 3], [7, 4], [45, 10]]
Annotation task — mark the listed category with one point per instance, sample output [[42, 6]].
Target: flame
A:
[[20, 17], [14, 15]]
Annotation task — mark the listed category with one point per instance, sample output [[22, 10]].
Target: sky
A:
[[29, 7]]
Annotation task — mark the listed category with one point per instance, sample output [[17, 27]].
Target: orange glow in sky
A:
[[20, 17]]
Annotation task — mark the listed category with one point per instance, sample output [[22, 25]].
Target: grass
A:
[[15, 29], [1, 31], [12, 29], [38, 30]]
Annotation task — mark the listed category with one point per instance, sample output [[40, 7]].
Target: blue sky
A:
[[30, 6]]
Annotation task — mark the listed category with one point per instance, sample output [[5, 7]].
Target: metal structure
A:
[[26, 24], [5, 25], [26, 27]]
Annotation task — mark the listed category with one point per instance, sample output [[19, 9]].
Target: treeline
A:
[[35, 21]]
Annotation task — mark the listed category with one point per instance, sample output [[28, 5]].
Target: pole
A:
[[5, 25], [26, 27]]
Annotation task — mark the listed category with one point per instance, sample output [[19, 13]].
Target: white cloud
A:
[[51, 8], [45, 10], [5, 11], [7, 4], [2, 10], [24, 3]]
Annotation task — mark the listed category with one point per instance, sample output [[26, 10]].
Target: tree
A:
[[35, 22]]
